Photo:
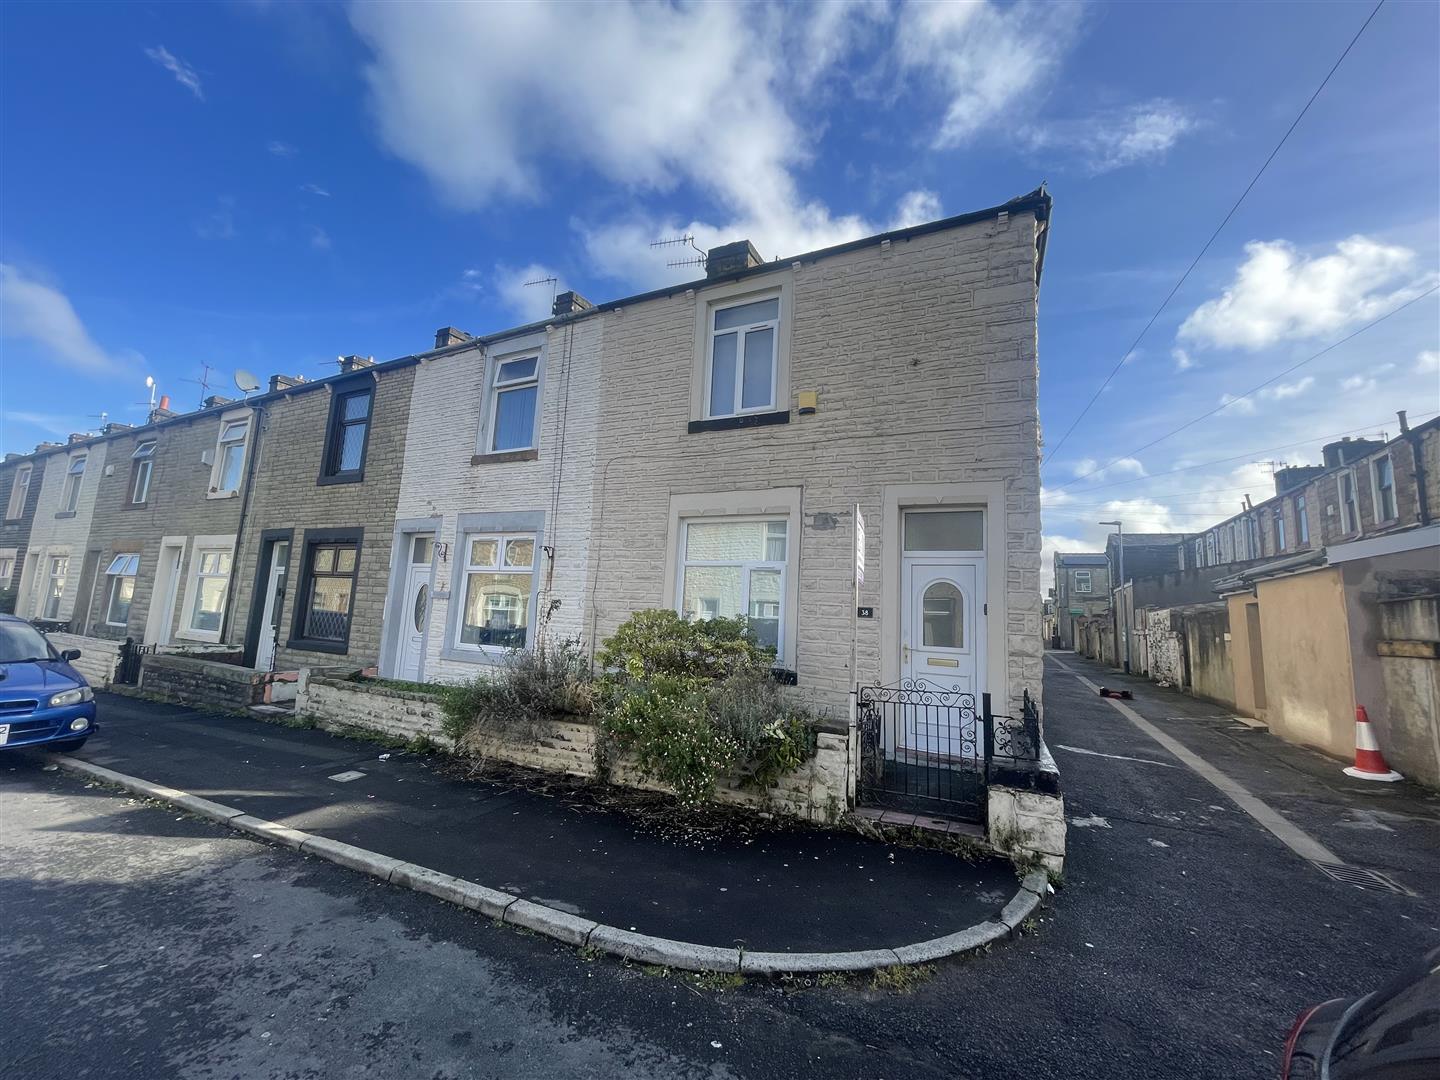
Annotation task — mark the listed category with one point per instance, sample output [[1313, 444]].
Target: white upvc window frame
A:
[[19, 493], [1376, 507], [144, 459], [125, 566], [57, 575], [228, 422], [199, 548], [1302, 521], [777, 283], [499, 386], [1084, 583], [74, 482], [499, 567], [745, 566], [1349, 512], [741, 334]]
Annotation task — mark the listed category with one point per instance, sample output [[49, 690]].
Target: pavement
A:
[[763, 886], [1185, 939]]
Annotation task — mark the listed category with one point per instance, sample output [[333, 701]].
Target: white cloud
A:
[[1282, 391], [281, 149], [1136, 134], [184, 74], [822, 35], [319, 238], [1279, 294], [981, 57], [1125, 466], [1244, 406], [1427, 362], [315, 189], [37, 312], [1183, 360], [916, 208], [530, 303], [1357, 384]]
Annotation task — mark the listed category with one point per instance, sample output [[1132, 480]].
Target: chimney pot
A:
[[448, 335], [1404, 423], [569, 303], [731, 259]]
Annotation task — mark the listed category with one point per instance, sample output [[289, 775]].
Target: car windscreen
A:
[[21, 641]]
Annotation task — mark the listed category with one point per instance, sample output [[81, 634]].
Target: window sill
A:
[[207, 636], [341, 478], [484, 656], [732, 423], [338, 648], [134, 506], [63, 514], [505, 455], [222, 495]]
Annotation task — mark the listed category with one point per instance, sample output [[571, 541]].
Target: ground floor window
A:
[[212, 578], [499, 578], [121, 572], [55, 586], [736, 567], [331, 570]]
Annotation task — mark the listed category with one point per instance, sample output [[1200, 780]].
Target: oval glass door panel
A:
[[422, 596], [944, 617]]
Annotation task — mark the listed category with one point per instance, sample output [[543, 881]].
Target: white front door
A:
[[167, 584], [942, 652], [415, 608], [269, 639]]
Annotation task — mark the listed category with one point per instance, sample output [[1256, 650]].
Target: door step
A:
[[927, 822], [271, 710]]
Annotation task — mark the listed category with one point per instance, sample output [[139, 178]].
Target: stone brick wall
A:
[[818, 791], [441, 481], [207, 683], [286, 495], [98, 657], [15, 532], [56, 532], [924, 356], [177, 505], [1164, 646]]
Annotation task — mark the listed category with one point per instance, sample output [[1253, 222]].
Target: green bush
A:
[[691, 701], [522, 700]]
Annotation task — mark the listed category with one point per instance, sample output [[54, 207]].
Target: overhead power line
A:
[[1223, 222], [1228, 401]]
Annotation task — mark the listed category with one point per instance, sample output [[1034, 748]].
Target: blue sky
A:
[[266, 186]]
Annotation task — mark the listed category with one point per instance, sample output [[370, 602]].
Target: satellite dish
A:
[[246, 382]]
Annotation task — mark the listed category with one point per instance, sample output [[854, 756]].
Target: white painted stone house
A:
[[54, 573], [705, 447]]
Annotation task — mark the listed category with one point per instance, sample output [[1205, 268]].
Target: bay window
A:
[[499, 579], [736, 567]]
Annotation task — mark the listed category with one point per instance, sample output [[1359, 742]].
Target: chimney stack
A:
[[570, 303], [40, 448], [731, 259], [355, 363], [448, 335], [1404, 423], [284, 382], [214, 401], [161, 411], [77, 437]]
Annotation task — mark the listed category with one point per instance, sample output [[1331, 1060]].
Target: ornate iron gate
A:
[[926, 749], [127, 671]]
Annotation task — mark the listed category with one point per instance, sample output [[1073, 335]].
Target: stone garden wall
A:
[[98, 657]]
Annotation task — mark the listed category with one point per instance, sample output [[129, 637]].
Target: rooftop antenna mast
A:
[[552, 281], [203, 382], [149, 385], [680, 241], [102, 416]]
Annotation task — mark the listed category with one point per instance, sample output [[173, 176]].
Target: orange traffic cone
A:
[[1369, 762]]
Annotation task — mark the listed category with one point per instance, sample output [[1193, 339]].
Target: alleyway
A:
[[140, 942]]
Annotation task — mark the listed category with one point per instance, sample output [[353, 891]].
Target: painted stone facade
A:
[[29, 471], [60, 531]]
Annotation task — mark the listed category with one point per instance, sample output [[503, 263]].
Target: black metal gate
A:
[[127, 670], [925, 749]]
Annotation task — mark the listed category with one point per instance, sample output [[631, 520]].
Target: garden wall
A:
[[818, 791], [191, 680], [98, 657]]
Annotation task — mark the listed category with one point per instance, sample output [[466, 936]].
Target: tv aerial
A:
[[552, 281], [677, 241], [246, 382]]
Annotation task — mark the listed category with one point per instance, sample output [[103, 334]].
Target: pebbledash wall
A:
[[922, 353], [450, 484], [286, 495]]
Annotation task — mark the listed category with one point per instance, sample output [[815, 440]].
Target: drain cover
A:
[[346, 777], [1362, 878]]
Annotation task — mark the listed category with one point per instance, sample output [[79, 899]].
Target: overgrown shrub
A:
[[522, 699], [691, 701]]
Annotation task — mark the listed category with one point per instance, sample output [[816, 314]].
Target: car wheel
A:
[[69, 746]]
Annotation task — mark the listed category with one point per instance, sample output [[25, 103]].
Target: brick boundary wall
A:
[[817, 791], [98, 657], [190, 680]]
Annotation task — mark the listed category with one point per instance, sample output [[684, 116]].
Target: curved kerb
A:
[[572, 929]]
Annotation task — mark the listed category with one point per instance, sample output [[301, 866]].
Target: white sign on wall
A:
[[859, 547]]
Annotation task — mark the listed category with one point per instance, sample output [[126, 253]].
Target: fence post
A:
[[987, 721]]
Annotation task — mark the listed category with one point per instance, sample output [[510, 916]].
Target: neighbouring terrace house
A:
[[21, 478], [51, 578], [314, 555], [1082, 589]]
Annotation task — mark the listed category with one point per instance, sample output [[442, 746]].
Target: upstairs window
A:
[[229, 466], [1349, 509], [742, 358], [19, 493], [1082, 581], [499, 579], [514, 394], [1279, 529], [141, 469], [348, 435], [1382, 475], [1302, 524], [121, 572], [74, 477]]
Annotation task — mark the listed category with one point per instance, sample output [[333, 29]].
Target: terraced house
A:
[[21, 478]]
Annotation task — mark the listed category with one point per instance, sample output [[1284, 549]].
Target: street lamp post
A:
[[1120, 529]]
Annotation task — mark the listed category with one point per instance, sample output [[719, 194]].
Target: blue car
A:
[[44, 702]]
